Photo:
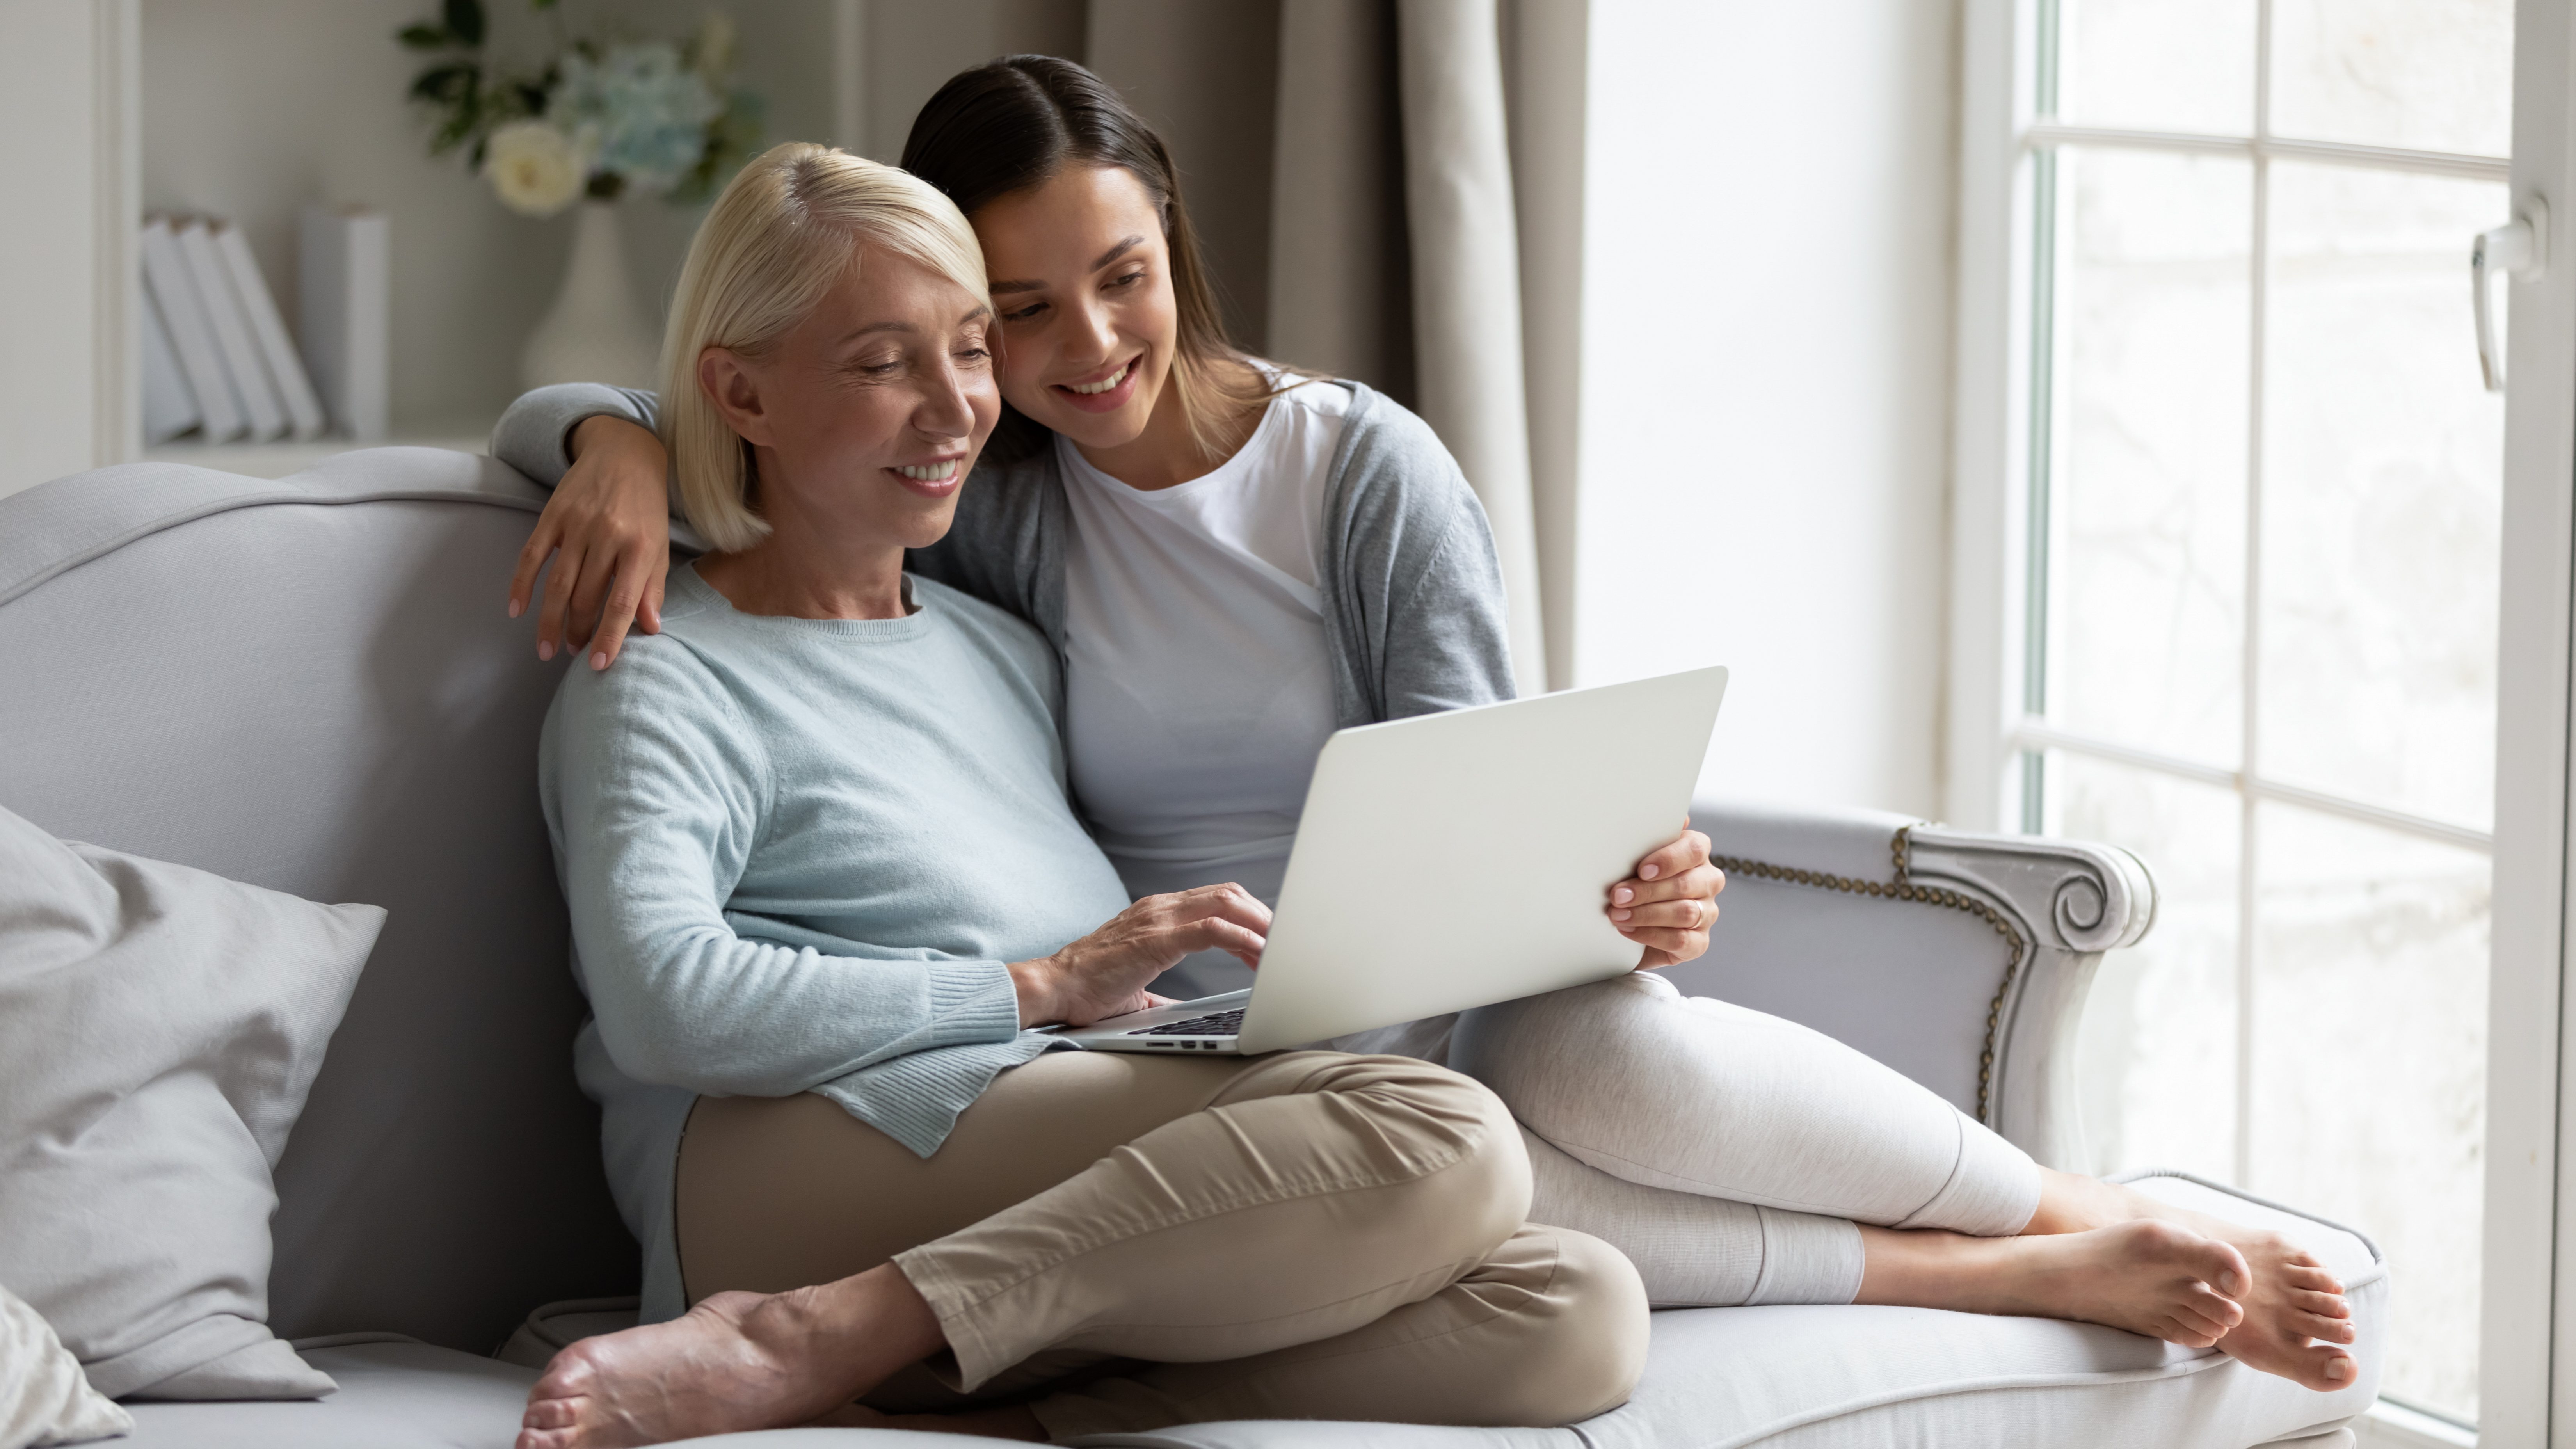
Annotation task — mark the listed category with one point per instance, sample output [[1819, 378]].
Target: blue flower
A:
[[646, 112]]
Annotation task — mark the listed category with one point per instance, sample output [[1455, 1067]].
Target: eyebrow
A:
[[1111, 255], [855, 333]]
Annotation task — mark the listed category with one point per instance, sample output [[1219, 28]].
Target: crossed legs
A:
[[1119, 1243], [1739, 1158]]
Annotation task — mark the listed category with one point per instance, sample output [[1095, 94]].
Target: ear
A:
[[730, 383]]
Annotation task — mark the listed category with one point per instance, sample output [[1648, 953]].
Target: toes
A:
[[2310, 1277], [2204, 1329], [2229, 1274], [2222, 1312], [2178, 1329], [2332, 1368], [2324, 1305], [551, 1414], [2324, 1367], [2332, 1330]]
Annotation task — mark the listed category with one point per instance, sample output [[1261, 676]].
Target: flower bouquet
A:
[[598, 121], [595, 122]]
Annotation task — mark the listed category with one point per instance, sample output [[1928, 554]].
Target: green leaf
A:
[[465, 20], [447, 84], [424, 36]]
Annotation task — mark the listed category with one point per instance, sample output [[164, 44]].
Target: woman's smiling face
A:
[[1082, 283], [870, 411]]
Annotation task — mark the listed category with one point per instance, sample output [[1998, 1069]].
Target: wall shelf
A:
[[284, 456]]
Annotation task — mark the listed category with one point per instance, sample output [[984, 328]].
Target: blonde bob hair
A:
[[785, 231]]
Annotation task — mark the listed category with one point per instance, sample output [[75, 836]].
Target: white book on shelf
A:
[[268, 329], [165, 271], [232, 332], [169, 404], [345, 291]]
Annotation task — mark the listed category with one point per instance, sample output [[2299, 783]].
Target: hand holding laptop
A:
[[1666, 907]]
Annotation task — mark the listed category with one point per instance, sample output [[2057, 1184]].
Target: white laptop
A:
[[1453, 860]]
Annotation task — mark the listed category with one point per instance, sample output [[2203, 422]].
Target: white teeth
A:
[[1089, 388], [930, 472]]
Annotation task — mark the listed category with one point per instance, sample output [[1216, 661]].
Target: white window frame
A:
[[2529, 1315]]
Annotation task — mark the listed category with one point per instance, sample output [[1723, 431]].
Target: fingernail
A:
[[1649, 873], [599, 660], [1623, 895], [515, 608], [2339, 1369], [545, 649], [1621, 915]]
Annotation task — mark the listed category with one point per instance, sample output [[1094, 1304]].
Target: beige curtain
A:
[[1428, 170]]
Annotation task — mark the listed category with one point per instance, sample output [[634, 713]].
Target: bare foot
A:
[[2152, 1278], [1005, 1423], [2296, 1319], [737, 1361]]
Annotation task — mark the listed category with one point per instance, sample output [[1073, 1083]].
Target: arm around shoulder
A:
[[535, 435]]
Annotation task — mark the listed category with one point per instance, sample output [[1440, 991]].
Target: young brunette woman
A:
[[1231, 562]]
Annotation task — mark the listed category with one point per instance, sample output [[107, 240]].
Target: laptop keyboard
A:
[[1215, 1023]]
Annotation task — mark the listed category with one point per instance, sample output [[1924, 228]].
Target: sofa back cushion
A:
[[310, 685]]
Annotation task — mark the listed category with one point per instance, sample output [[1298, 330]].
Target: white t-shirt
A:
[[1198, 689]]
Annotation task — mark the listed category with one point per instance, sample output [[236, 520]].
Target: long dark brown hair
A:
[[1016, 122]]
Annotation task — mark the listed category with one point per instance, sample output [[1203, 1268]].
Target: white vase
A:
[[594, 332]]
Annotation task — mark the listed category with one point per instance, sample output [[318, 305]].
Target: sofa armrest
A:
[[1961, 959]]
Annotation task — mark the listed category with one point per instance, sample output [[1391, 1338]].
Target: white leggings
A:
[[1727, 1152]]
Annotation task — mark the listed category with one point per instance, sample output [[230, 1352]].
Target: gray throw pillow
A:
[[159, 1028]]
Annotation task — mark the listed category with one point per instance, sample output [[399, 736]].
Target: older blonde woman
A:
[[823, 873]]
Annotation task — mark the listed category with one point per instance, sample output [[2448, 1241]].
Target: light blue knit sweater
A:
[[798, 854]]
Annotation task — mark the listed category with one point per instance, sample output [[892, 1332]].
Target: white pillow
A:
[[159, 1028], [43, 1398]]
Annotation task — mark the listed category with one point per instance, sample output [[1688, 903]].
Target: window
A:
[[2259, 503]]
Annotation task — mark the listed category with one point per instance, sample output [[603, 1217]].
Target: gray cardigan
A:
[[1413, 588]]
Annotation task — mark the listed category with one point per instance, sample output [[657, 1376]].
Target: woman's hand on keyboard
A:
[[1669, 904], [1104, 974]]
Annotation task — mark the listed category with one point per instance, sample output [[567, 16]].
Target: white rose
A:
[[536, 169]]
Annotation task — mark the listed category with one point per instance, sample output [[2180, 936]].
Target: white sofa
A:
[[309, 684]]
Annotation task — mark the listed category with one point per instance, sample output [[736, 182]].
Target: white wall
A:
[[1766, 348]]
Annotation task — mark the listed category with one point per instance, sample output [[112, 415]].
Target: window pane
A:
[[2382, 485], [2157, 65], [2431, 75], [2147, 555], [2156, 1055], [2370, 1015]]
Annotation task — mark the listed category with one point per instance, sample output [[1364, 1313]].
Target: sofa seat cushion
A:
[[1716, 1378], [395, 1393]]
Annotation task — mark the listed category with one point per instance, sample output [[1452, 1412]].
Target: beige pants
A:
[[1145, 1241]]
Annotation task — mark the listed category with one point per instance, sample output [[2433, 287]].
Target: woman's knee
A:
[[1442, 1141], [1549, 1053], [1576, 1344]]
